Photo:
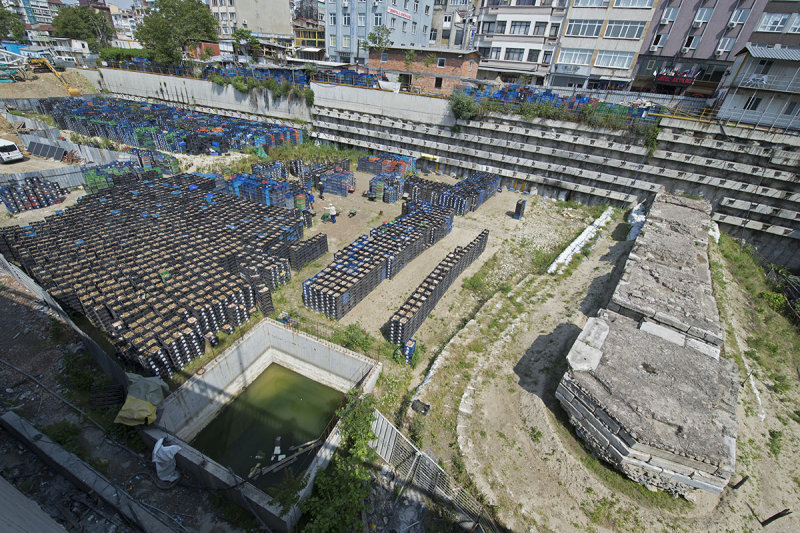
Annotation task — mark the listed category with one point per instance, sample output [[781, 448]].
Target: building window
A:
[[547, 56], [437, 83], [434, 34], [392, 22], [413, 28], [614, 59], [447, 20], [484, 52], [494, 54], [539, 28], [790, 109], [494, 27], [763, 67], [362, 19], [575, 56], [416, 6], [752, 103], [440, 62], [515, 54], [345, 19], [427, 10], [520, 28], [332, 41], [394, 2], [660, 39], [405, 25], [691, 42], [740, 16], [223, 16], [795, 27], [405, 5], [623, 29], [590, 3], [230, 2], [583, 28], [384, 57], [332, 19], [726, 44], [670, 14], [638, 4], [554, 30], [346, 42], [533, 55], [378, 19], [703, 14], [233, 17], [773, 22]]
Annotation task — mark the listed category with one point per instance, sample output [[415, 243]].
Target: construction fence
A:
[[421, 473]]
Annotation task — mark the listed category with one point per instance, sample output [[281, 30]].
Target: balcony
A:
[[790, 84]]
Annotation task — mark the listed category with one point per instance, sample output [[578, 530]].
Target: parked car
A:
[[9, 152]]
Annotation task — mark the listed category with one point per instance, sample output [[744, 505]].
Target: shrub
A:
[[309, 96], [463, 106], [240, 84]]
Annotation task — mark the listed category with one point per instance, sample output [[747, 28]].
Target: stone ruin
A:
[[646, 388]]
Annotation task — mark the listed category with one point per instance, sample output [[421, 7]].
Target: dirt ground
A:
[[47, 85]]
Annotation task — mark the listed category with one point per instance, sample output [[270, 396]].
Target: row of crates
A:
[[31, 193], [407, 320], [400, 164], [386, 187], [361, 266], [338, 183], [465, 196]]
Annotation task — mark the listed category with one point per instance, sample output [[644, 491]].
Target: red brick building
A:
[[427, 70]]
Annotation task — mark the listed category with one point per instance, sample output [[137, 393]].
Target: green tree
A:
[[463, 106], [11, 25], [245, 43], [172, 24], [377, 40], [339, 492], [80, 22]]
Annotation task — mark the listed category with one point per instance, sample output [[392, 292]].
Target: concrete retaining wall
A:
[[201, 94]]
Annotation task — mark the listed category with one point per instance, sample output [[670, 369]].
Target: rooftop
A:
[[785, 53], [668, 396], [667, 277]]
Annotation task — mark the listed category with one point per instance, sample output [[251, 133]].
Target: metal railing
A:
[[423, 474]]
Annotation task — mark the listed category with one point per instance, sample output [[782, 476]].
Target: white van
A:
[[9, 152]]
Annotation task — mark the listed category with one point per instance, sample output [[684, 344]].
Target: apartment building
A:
[[268, 19], [517, 39], [689, 46], [454, 23], [777, 24], [33, 11], [600, 42], [348, 22]]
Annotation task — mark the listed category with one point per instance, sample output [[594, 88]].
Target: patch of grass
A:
[[535, 433], [60, 333], [354, 337], [775, 442], [416, 431], [47, 119], [67, 435]]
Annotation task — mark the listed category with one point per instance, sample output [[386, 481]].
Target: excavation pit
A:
[[229, 410]]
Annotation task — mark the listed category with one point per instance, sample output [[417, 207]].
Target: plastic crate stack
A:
[[311, 173], [32, 193], [161, 264], [165, 128], [338, 183], [400, 164], [407, 320], [358, 269], [304, 252], [387, 187], [465, 196]]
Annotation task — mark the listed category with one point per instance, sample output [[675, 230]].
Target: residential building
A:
[[32, 11], [309, 39], [348, 22], [764, 87], [267, 20], [688, 47], [778, 23], [517, 38], [123, 21], [39, 34], [427, 70], [599, 43], [454, 23]]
